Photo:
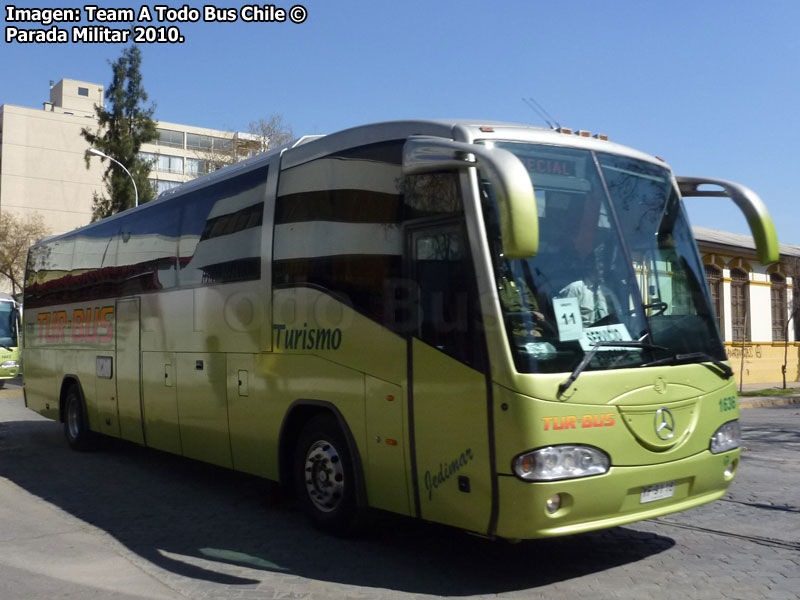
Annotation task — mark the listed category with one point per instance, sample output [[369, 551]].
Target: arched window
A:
[[739, 308], [778, 296], [714, 279]]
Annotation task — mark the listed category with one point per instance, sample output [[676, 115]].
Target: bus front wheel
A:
[[76, 425], [324, 479]]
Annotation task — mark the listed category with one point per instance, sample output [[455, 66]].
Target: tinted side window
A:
[[220, 231], [338, 226], [448, 313], [146, 245], [211, 235]]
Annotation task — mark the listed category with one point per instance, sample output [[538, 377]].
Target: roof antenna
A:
[[539, 110]]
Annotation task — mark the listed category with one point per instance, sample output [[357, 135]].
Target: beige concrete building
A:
[[42, 167]]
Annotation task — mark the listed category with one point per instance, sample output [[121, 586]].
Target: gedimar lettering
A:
[[446, 471]]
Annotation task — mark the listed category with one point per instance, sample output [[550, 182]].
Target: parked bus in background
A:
[[497, 327], [9, 338]]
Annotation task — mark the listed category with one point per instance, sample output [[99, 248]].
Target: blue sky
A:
[[711, 86]]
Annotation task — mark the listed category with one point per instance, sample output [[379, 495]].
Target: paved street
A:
[[127, 523]]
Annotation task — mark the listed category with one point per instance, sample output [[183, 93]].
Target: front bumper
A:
[[611, 499], [9, 373]]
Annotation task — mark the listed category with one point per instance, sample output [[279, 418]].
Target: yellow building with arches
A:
[[754, 306]]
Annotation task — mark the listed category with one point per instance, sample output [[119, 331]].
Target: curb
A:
[[758, 402]]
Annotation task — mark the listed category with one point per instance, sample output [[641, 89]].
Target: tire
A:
[[76, 425], [324, 477], [2, 383]]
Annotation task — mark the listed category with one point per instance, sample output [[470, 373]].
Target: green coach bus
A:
[[497, 327]]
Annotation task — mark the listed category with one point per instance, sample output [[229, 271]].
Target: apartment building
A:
[[42, 165]]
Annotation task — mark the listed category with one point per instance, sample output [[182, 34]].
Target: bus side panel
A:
[[387, 488], [249, 417], [314, 329], [221, 318], [105, 387], [129, 400], [41, 387], [280, 381], [202, 407], [160, 401]]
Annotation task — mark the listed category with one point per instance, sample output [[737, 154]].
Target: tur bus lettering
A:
[[89, 325]]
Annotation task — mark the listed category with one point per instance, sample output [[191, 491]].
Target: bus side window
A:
[[146, 248], [220, 231], [448, 315]]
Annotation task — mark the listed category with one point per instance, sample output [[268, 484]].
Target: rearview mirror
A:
[[749, 203], [519, 221]]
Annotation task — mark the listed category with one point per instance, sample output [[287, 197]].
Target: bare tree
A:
[[16, 236], [263, 135], [271, 132]]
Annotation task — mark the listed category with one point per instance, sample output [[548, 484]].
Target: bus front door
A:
[[448, 386]]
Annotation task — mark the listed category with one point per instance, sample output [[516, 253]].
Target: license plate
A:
[[657, 491]]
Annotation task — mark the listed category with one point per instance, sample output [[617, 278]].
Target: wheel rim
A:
[[324, 475], [73, 419]]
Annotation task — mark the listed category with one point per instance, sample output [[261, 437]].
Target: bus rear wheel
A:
[[324, 478], [76, 425]]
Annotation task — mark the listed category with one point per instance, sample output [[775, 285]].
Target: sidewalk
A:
[[779, 398]]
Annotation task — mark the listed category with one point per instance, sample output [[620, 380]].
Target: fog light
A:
[[553, 504], [730, 469]]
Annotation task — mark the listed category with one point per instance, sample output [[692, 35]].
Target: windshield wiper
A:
[[724, 370], [564, 386]]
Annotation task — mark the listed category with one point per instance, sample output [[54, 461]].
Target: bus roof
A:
[[306, 148]]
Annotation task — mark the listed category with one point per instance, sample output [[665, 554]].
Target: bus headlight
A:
[[560, 462], [727, 437], [10, 364]]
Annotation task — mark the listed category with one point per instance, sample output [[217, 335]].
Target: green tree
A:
[[124, 125]]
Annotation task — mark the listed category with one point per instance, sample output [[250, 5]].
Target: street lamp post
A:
[[97, 152]]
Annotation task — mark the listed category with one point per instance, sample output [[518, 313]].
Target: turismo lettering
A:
[[87, 325], [446, 471], [573, 421], [307, 339]]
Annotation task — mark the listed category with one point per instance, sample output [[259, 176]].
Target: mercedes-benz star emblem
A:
[[665, 424]]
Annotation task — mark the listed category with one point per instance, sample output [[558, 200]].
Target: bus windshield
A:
[[617, 262], [8, 325]]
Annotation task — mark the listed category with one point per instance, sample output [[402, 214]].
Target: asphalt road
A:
[[130, 523]]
